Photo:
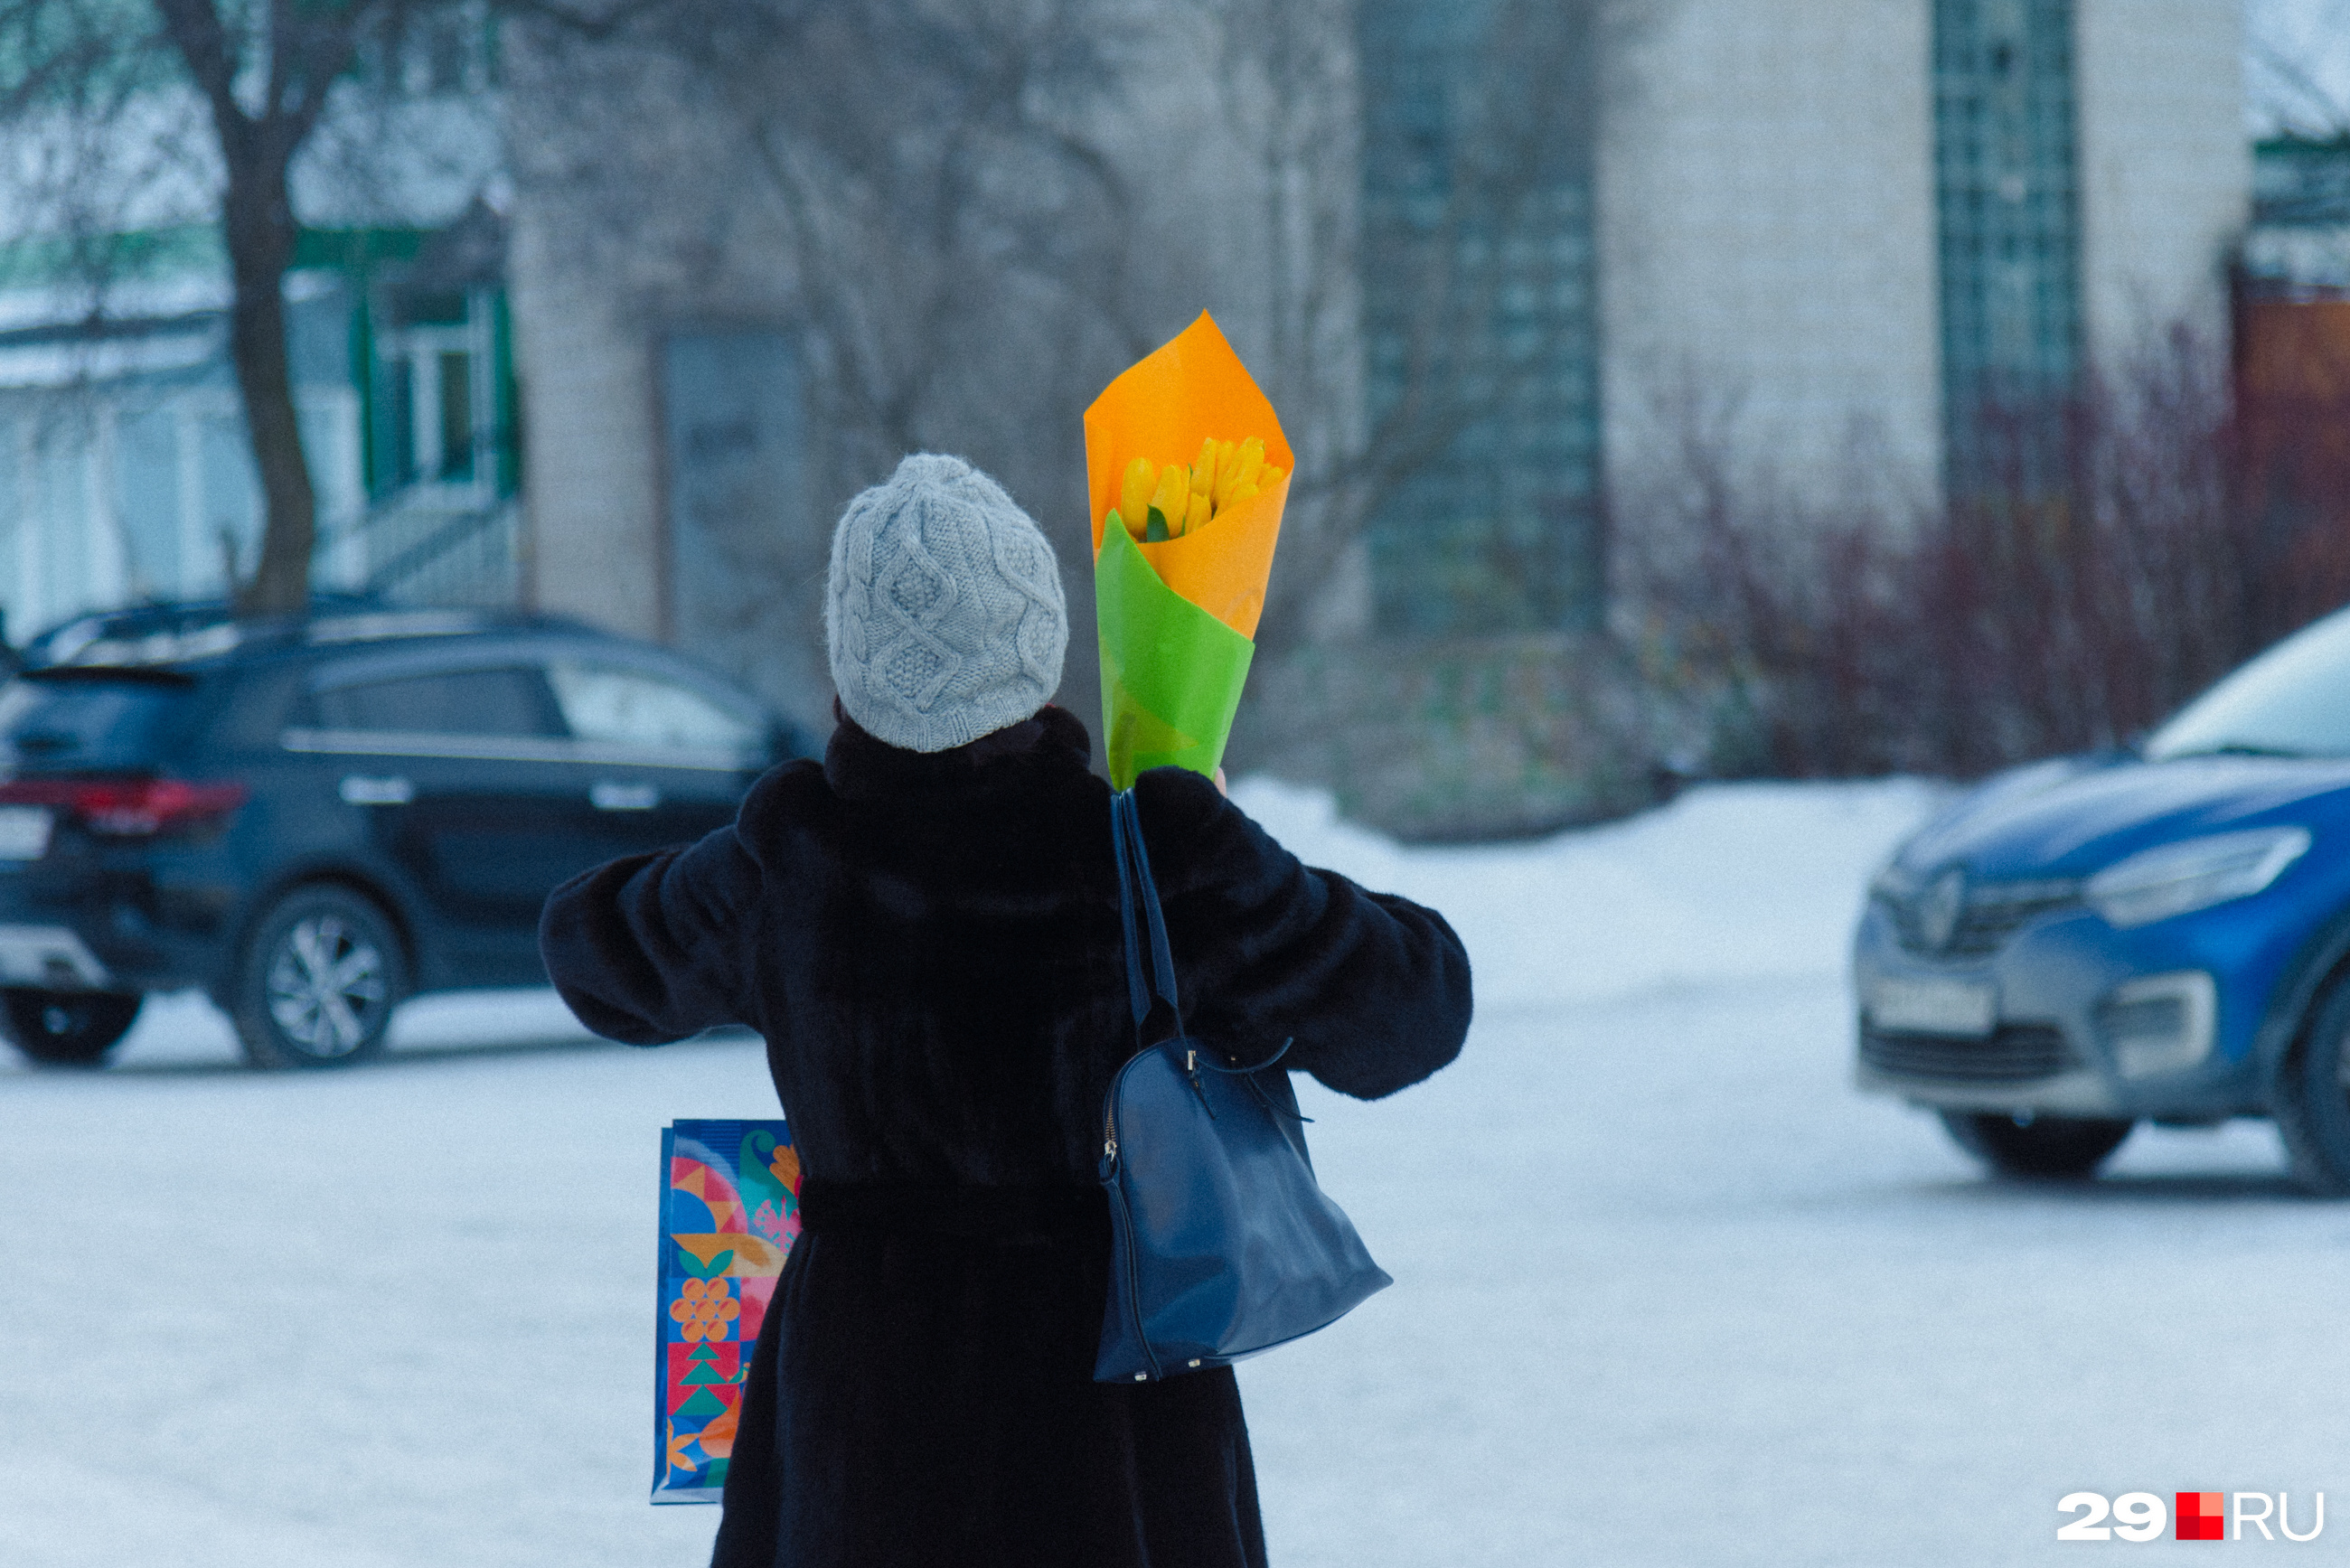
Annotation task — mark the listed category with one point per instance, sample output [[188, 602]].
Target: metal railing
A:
[[431, 544]]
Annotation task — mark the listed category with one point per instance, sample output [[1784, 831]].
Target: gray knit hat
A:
[[943, 614]]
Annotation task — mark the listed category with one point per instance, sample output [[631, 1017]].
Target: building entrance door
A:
[[746, 555]]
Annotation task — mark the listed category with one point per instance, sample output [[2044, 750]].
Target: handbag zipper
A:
[[1133, 1283], [1125, 1229]]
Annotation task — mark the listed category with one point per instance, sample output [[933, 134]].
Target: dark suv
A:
[[314, 818]]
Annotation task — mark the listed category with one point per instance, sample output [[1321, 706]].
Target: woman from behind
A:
[[925, 930]]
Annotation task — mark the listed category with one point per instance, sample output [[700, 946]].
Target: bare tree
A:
[[105, 101], [2296, 89], [969, 215], [951, 206], [2187, 524]]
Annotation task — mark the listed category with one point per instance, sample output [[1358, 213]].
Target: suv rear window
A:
[[57, 721]]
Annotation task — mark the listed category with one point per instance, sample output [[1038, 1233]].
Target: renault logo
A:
[[1940, 906]]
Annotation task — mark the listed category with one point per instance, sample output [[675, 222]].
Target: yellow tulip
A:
[[1227, 473], [1223, 475], [1173, 499], [1251, 462], [1173, 495], [1134, 496]]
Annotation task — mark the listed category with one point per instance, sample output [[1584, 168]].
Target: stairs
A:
[[430, 545]]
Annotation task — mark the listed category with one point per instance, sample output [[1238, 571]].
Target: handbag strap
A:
[[1135, 885], [1135, 888]]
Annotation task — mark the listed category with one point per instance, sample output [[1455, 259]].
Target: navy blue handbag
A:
[[1221, 1243]]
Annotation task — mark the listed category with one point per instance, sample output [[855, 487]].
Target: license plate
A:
[[1933, 1005], [24, 832]]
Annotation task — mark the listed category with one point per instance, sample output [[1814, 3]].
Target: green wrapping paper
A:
[[1171, 672]]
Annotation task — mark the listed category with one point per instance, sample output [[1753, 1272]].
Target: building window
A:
[[1479, 309], [436, 397], [2006, 186]]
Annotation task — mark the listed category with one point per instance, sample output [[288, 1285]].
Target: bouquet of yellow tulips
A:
[[1181, 552], [1155, 504]]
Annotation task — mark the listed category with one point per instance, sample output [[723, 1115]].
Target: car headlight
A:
[[2173, 878]]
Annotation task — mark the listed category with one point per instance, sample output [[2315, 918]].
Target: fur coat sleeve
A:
[[652, 947], [1373, 989]]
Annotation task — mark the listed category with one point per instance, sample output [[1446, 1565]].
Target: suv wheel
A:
[[2313, 1108], [67, 1028], [319, 982], [2042, 1147]]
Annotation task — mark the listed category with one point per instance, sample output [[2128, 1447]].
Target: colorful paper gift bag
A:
[[730, 1210]]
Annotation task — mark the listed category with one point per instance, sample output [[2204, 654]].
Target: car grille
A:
[[2016, 1051], [1995, 911]]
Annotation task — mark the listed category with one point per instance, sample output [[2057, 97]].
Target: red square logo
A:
[[2202, 1515]]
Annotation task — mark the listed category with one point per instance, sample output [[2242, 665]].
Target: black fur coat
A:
[[930, 946]]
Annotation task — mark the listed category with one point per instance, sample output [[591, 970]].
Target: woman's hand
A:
[[1220, 784]]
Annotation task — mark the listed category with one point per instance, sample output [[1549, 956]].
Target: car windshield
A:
[[2293, 701], [54, 722]]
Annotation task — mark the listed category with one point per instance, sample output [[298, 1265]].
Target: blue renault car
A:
[[2161, 934]]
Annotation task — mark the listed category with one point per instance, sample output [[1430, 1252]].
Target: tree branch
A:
[[194, 29]]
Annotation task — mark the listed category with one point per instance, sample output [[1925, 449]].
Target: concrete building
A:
[[718, 348], [1767, 232], [1801, 257], [1856, 218], [1820, 232], [1818, 235], [1817, 239], [1810, 238]]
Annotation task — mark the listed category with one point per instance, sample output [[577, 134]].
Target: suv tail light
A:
[[129, 808]]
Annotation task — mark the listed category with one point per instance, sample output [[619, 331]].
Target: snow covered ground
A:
[[1667, 1292]]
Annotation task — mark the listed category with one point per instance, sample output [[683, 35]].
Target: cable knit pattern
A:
[[943, 614]]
